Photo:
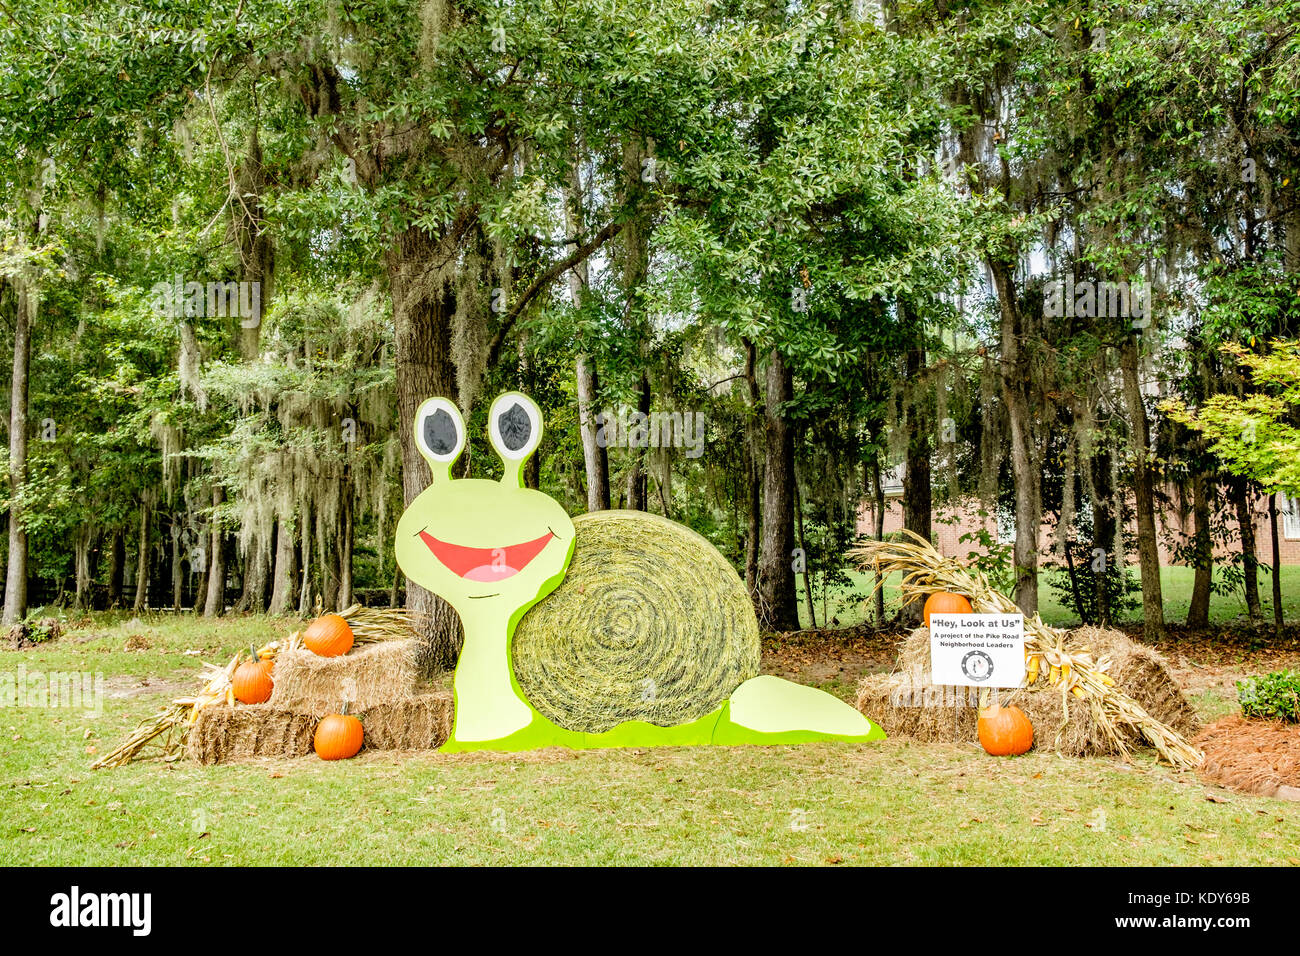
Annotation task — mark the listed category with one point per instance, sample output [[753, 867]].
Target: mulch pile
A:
[[1252, 756]]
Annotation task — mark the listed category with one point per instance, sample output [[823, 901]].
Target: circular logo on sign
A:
[[977, 665]]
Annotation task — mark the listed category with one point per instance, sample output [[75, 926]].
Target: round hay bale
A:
[[651, 623]]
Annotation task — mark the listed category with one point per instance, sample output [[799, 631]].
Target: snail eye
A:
[[515, 426], [439, 430]]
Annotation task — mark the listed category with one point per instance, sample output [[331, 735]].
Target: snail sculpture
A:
[[495, 549]]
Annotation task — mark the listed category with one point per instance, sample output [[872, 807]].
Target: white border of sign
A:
[[977, 650]]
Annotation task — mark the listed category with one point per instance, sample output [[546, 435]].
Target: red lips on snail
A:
[[485, 564]]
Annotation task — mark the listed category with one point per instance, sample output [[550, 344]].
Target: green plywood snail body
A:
[[494, 549]]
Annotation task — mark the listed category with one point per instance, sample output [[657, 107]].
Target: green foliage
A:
[[1274, 696], [993, 559], [1256, 436], [800, 155]]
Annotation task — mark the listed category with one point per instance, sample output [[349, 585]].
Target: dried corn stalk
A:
[[172, 723]]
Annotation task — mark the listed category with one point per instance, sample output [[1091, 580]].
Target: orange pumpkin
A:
[[329, 636], [338, 736], [252, 681], [1005, 731], [945, 602]]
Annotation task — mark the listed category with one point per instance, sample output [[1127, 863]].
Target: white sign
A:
[[977, 650]]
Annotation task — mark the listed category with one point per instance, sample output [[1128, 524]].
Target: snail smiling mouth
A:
[[485, 564]]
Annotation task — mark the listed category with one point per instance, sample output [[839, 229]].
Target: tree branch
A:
[[611, 230]]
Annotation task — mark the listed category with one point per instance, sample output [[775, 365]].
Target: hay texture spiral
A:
[[651, 623]]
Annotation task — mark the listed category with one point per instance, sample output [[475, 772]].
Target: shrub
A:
[[1105, 591], [1274, 696], [996, 561]]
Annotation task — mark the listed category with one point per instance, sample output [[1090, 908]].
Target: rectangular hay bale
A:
[[221, 733], [367, 676], [421, 723]]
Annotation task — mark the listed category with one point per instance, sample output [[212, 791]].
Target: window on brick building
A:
[[1290, 517]]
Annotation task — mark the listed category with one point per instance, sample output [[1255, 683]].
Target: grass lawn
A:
[[894, 802], [1175, 589]]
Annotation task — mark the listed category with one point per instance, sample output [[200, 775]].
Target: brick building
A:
[[950, 524]]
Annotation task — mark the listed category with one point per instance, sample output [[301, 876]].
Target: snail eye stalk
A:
[[515, 429], [439, 435]]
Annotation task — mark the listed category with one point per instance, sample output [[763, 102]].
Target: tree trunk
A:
[[116, 568], [777, 605], [159, 565], [1074, 585], [636, 474], [635, 264], [15, 608], [214, 604], [753, 516], [253, 597], [664, 485], [807, 565], [1026, 471], [753, 522], [1198, 612], [285, 576], [918, 500], [85, 538], [878, 489], [1105, 526], [1275, 533], [178, 568], [345, 549], [1153, 614], [142, 561], [1240, 490], [1029, 505], [393, 593], [305, 606], [421, 314], [256, 252], [327, 541], [594, 453]]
